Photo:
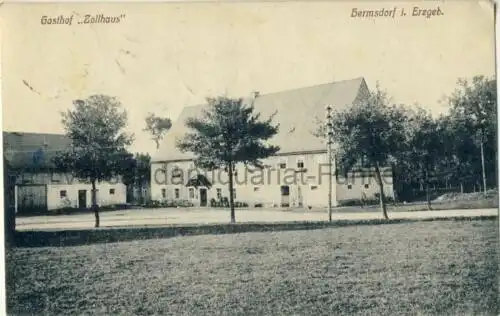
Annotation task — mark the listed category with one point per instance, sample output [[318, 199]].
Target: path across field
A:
[[169, 216]]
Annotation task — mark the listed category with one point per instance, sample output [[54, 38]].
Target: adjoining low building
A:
[[39, 187], [297, 176]]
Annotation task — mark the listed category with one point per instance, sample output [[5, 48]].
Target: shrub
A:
[[360, 202], [153, 204], [64, 210], [169, 203], [184, 203], [240, 204], [224, 202]]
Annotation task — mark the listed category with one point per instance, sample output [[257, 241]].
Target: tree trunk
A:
[[231, 197], [482, 164], [428, 197], [95, 208], [427, 194], [381, 187]]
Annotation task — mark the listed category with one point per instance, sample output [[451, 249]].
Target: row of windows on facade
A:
[[177, 191], [52, 177], [64, 193], [281, 165], [177, 172]]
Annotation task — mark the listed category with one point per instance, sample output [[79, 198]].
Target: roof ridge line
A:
[[310, 86], [360, 78]]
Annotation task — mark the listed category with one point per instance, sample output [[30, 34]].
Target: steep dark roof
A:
[[296, 112], [199, 181], [32, 150]]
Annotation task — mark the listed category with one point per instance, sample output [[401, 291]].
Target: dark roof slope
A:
[[32, 150], [296, 112]]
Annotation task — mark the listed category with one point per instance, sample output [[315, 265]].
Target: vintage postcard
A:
[[247, 158]]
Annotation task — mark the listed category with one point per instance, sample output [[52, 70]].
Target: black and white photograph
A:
[[250, 158]]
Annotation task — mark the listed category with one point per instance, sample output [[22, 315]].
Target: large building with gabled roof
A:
[[296, 177]]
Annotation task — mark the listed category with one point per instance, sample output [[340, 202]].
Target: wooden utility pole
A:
[[329, 136]]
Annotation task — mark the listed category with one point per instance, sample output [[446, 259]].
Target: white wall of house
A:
[[64, 195], [357, 186], [306, 176], [62, 190]]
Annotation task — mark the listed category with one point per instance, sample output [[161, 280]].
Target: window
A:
[[191, 193], [282, 165], [84, 180], [111, 191], [219, 193], [27, 178], [177, 193], [313, 187], [54, 178], [63, 193], [366, 186], [255, 189], [163, 193], [349, 186], [300, 163], [176, 172], [285, 190]]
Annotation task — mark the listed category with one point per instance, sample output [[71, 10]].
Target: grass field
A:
[[442, 267]]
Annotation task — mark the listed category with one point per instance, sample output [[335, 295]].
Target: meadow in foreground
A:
[[442, 267]]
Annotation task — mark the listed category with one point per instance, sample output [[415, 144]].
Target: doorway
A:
[[31, 198], [82, 199], [299, 196], [285, 196], [203, 197]]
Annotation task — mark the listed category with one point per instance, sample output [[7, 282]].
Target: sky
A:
[[164, 56]]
